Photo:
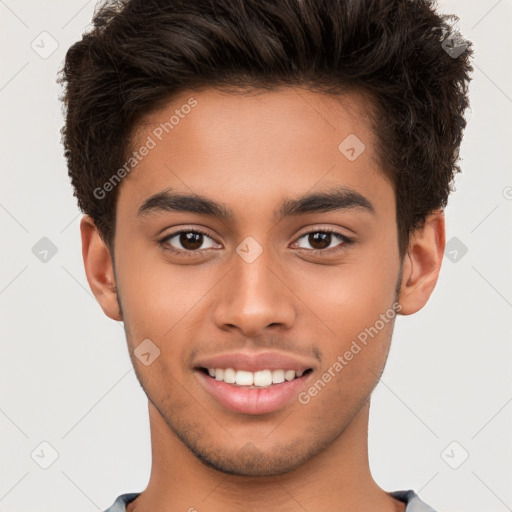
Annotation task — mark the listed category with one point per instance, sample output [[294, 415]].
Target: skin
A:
[[251, 152]]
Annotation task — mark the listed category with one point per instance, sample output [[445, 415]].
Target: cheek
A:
[[354, 318], [350, 370], [155, 295], [350, 297]]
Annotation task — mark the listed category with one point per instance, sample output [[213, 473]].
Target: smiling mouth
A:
[[253, 380]]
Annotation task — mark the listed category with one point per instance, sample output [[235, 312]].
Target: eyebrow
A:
[[340, 198]]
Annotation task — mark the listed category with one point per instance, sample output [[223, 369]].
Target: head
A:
[[245, 130]]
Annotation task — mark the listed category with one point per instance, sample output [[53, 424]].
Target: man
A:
[[263, 184]]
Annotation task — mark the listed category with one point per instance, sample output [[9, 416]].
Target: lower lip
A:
[[253, 401]]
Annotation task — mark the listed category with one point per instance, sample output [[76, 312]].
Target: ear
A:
[[99, 269], [422, 264]]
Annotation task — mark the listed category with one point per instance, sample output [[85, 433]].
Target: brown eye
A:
[[191, 240], [321, 240], [187, 241]]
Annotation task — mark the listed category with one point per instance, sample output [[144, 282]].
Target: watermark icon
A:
[[455, 249], [44, 45], [146, 352], [454, 45], [507, 193], [44, 250], [151, 142], [249, 250], [304, 397], [351, 147], [455, 455], [44, 455]]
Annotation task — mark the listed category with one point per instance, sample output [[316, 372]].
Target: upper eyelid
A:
[[194, 230], [345, 240]]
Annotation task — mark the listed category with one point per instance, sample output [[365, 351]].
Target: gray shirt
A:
[[414, 504]]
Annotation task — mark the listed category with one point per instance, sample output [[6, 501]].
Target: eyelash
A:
[[346, 241]]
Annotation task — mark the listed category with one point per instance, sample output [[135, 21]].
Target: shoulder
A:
[[120, 504], [413, 501]]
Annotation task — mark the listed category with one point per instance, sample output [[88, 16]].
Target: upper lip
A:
[[254, 361]]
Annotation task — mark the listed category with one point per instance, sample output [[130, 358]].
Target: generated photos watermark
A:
[[158, 133], [355, 348]]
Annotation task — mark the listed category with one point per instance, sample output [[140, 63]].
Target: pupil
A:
[[191, 241], [322, 240]]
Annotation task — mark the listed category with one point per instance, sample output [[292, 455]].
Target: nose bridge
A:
[[254, 297]]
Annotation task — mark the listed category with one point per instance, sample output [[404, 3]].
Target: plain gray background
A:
[[67, 380]]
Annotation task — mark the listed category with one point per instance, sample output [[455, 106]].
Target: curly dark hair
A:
[[138, 54]]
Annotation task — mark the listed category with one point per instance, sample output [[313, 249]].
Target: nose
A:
[[253, 298]]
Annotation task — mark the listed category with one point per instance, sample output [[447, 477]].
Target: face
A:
[[284, 258]]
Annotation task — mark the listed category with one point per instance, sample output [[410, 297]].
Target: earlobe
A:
[[99, 269], [422, 264]]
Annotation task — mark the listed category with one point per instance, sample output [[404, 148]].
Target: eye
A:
[[192, 242], [187, 241], [321, 240]]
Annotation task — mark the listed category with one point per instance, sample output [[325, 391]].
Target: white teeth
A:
[[289, 375], [262, 378], [229, 376], [277, 376], [243, 378]]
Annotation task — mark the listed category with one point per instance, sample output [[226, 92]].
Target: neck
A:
[[338, 479]]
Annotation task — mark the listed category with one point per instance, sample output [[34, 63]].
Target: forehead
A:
[[255, 143], [252, 116]]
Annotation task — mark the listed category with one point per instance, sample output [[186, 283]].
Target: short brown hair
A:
[[140, 53]]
